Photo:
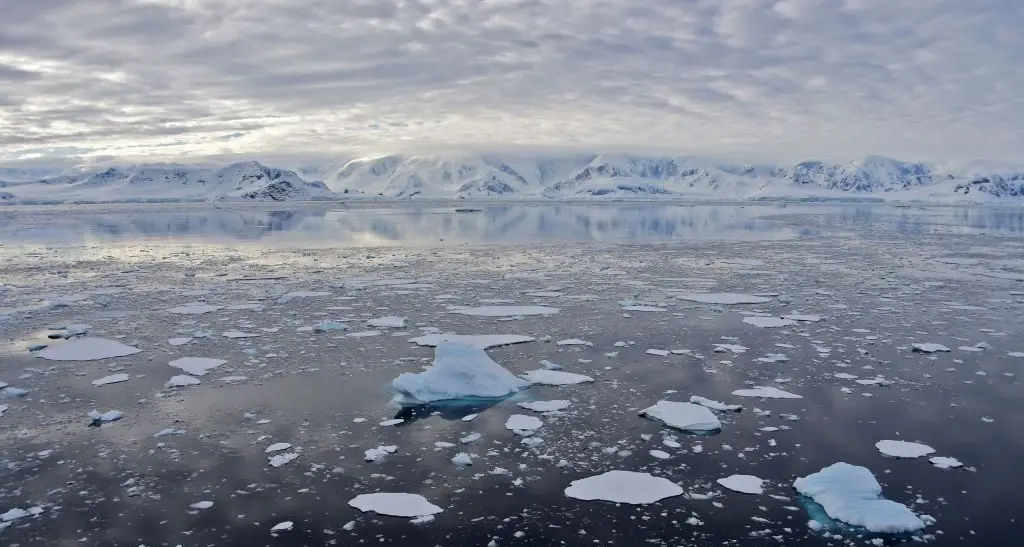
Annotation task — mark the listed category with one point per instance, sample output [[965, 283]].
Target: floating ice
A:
[[462, 459], [773, 358], [714, 405], [278, 460], [16, 513], [643, 308], [768, 322], [283, 526], [660, 454], [458, 371], [744, 484], [471, 438], [169, 432], [803, 317], [943, 462], [734, 348], [276, 447], [725, 298], [202, 505], [852, 494], [105, 417], [182, 380], [87, 349], [374, 454], [3, 408], [389, 322], [766, 392], [574, 342], [179, 341], [195, 308], [658, 352], [507, 311], [1019, 354], [623, 487], [197, 366], [395, 504], [389, 423], [522, 422], [929, 348], [545, 406], [238, 334], [903, 449], [554, 377], [12, 392], [478, 341], [327, 325], [683, 416]]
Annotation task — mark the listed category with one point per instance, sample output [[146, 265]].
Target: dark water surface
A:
[[874, 273]]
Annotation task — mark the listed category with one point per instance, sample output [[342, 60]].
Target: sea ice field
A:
[[511, 374]]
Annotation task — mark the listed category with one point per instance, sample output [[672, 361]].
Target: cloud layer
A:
[[784, 79]]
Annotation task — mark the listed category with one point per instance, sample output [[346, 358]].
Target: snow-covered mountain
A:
[[247, 181]]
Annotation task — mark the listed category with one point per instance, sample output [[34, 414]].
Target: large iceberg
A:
[[459, 371], [850, 493]]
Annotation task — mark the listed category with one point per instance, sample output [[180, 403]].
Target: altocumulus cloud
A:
[[168, 79]]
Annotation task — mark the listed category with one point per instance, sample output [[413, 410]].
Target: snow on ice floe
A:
[[768, 322], [112, 379], [479, 341], [623, 487], [201, 505], [744, 484], [734, 348], [507, 311], [395, 504], [389, 322], [374, 454], [276, 447], [462, 459], [545, 406], [929, 348], [851, 494], [643, 308], [87, 349], [197, 366], [458, 371], [238, 334], [1018, 354], [195, 308], [903, 449], [522, 422], [554, 377], [803, 317], [573, 342], [766, 392], [943, 462], [179, 341], [105, 417], [277, 460], [683, 416], [182, 380], [725, 298], [18, 513], [283, 526], [714, 405]]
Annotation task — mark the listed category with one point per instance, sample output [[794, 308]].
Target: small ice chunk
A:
[[202, 505], [623, 487], [903, 449], [660, 454], [195, 308], [389, 322], [522, 422], [723, 298], [471, 438], [182, 380], [87, 349], [238, 334], [462, 459], [12, 392], [1018, 354], [683, 416], [196, 366], [658, 352], [852, 494], [422, 520], [277, 447], [277, 460], [573, 342], [169, 432], [105, 417], [395, 504], [643, 308], [943, 462], [179, 341], [458, 371], [766, 392], [506, 311], [744, 484], [803, 317], [374, 454], [545, 406], [283, 526], [768, 322], [554, 377], [734, 348], [715, 405], [929, 348], [328, 325], [395, 421], [478, 341]]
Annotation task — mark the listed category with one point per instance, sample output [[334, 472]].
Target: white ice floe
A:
[[277, 460], [1018, 354], [844, 376], [803, 317], [394, 421], [573, 342], [389, 322], [725, 298], [395, 504], [479, 341], [105, 417], [734, 348], [660, 454], [3, 408], [374, 454], [554, 377], [471, 438], [744, 484], [545, 406], [18, 513], [238, 334], [643, 308], [202, 505], [773, 358], [328, 325], [169, 432], [197, 366], [958, 261], [943, 462], [929, 348], [714, 405], [276, 447], [13, 392], [658, 352], [766, 392], [522, 422], [458, 371], [851, 494], [462, 459], [182, 380], [87, 349], [364, 334], [195, 308], [623, 487], [506, 311], [683, 416], [179, 341], [768, 322], [283, 526], [903, 449], [112, 379]]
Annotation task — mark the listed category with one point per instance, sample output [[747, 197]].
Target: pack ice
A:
[[458, 371], [87, 349], [506, 311], [726, 298], [683, 416], [851, 494], [479, 341]]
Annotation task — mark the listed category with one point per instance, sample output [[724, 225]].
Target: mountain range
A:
[[570, 176]]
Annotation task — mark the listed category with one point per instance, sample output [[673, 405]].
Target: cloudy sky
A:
[[929, 80]]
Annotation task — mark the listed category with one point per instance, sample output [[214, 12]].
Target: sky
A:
[[297, 80]]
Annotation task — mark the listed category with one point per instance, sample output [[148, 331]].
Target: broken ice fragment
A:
[[462, 459], [744, 484], [202, 505], [395, 504], [87, 349], [943, 462], [715, 405], [766, 392], [238, 334], [195, 308], [182, 380], [683, 416], [506, 311], [479, 341], [903, 449], [554, 377], [545, 406], [623, 487], [573, 342], [374, 454], [327, 325], [389, 322], [196, 366], [768, 322], [929, 348], [723, 298], [522, 422], [283, 526], [99, 418], [278, 460], [277, 447]]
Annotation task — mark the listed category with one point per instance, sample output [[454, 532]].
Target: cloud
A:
[[783, 79]]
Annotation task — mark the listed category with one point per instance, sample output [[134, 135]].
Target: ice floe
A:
[[87, 349], [851, 494], [683, 416], [714, 405], [903, 449], [643, 308], [744, 484], [276, 447], [105, 417], [278, 460], [179, 341], [197, 366], [182, 380], [943, 462], [328, 325], [929, 348], [285, 526], [724, 298], [239, 334], [479, 341], [374, 454], [112, 379], [522, 422], [768, 322], [573, 342], [389, 322], [803, 317], [623, 487], [395, 504], [766, 392], [506, 311], [458, 371], [195, 308], [554, 377], [545, 406], [201, 505], [462, 459]]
